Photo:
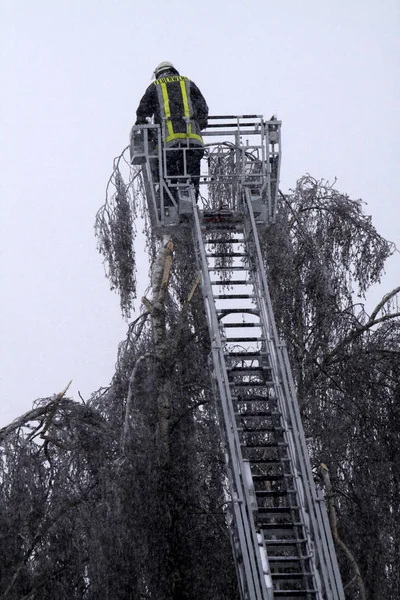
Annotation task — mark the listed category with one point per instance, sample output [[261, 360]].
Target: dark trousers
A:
[[175, 159]]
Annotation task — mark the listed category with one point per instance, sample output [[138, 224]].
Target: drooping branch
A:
[[115, 230]]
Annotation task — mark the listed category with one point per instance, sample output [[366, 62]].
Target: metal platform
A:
[[241, 153]]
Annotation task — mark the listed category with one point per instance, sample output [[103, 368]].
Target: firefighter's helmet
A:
[[164, 66]]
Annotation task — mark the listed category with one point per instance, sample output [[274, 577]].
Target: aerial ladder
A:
[[281, 539]]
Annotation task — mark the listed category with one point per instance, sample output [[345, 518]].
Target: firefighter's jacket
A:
[[178, 103]]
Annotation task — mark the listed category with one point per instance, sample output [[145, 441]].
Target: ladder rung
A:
[[248, 370], [261, 478], [271, 527], [221, 227], [224, 222], [252, 355], [235, 268], [230, 282], [276, 509], [263, 375], [212, 212], [259, 384], [224, 241], [245, 339], [253, 429], [247, 386], [276, 569], [270, 462], [260, 446], [289, 576], [287, 558], [253, 432], [223, 312], [256, 400], [240, 325], [291, 594], [261, 413], [233, 296], [284, 542], [256, 385], [227, 311], [258, 416], [278, 530], [228, 255], [284, 559], [274, 494], [251, 384]]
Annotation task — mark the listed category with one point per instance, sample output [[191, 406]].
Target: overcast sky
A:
[[73, 72]]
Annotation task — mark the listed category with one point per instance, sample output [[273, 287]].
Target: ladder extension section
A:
[[279, 528]]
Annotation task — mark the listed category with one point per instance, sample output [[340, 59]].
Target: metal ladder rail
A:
[[331, 575], [313, 503], [256, 583], [307, 506]]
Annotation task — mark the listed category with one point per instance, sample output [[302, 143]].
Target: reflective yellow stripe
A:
[[166, 100], [186, 109], [167, 108], [171, 134], [175, 136], [185, 99]]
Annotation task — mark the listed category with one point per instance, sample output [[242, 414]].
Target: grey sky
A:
[[73, 72]]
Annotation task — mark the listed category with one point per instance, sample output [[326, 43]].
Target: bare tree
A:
[[122, 496]]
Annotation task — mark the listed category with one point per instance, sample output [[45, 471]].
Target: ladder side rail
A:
[[252, 576], [296, 451], [239, 519], [232, 516], [242, 509], [288, 396], [311, 499], [261, 283], [322, 530], [274, 353]]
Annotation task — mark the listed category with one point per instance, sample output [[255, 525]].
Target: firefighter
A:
[[177, 104]]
